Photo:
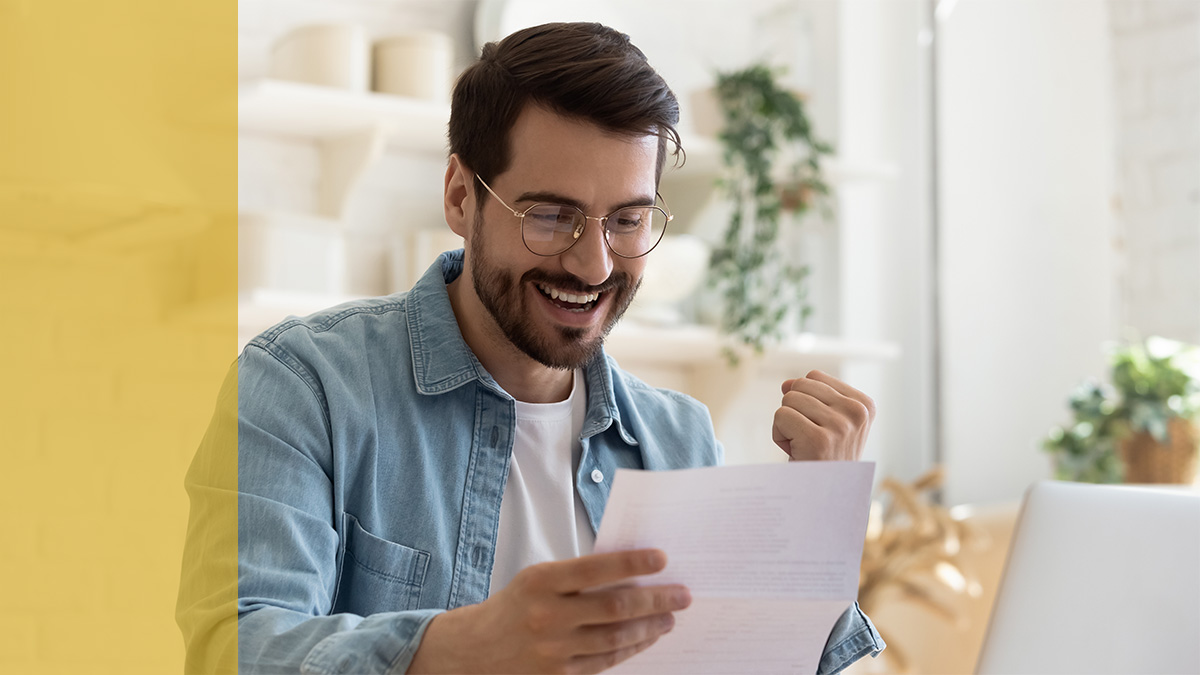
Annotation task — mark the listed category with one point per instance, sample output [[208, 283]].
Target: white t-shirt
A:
[[541, 516]]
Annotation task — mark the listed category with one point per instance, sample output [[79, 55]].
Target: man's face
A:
[[560, 160]]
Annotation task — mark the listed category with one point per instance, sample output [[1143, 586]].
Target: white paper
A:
[[770, 552]]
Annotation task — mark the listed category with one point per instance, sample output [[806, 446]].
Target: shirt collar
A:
[[442, 361], [603, 410]]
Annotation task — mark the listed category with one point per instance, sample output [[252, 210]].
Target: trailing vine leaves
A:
[[759, 283]]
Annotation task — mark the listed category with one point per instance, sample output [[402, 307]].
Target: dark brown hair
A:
[[582, 70]]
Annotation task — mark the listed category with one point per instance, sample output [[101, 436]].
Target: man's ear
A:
[[458, 198]]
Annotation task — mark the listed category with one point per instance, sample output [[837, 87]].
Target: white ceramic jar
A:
[[331, 55], [678, 266], [417, 64]]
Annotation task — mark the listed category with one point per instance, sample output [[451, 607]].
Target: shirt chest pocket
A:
[[378, 575]]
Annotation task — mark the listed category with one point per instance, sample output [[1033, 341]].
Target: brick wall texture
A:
[[1156, 62], [111, 390]]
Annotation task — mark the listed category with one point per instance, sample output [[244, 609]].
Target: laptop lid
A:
[[1099, 579]]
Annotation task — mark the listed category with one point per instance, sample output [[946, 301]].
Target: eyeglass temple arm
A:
[[579, 229], [515, 212]]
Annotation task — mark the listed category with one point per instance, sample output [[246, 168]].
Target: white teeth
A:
[[569, 297]]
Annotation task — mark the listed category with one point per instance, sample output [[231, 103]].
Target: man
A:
[[420, 476]]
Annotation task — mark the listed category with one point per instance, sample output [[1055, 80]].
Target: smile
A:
[[569, 301]]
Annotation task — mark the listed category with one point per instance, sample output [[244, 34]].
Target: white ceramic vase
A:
[[330, 55], [418, 65], [675, 269]]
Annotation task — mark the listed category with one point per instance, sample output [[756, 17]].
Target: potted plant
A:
[[1142, 427], [772, 169]]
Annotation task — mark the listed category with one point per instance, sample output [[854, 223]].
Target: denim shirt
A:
[[373, 450]]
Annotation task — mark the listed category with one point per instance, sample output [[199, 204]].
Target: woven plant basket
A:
[[1148, 461]]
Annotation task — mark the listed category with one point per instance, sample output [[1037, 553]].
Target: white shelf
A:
[[309, 111], [353, 128], [260, 309], [842, 170], [630, 343], [692, 345], [704, 158]]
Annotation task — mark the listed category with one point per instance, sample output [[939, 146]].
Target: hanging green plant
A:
[[760, 285]]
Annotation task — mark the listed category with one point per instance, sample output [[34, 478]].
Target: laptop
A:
[[1099, 579]]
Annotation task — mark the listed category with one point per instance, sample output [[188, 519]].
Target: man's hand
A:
[[822, 418], [542, 622]]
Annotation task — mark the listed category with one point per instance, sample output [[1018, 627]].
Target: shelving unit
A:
[[690, 345], [631, 343], [353, 128], [260, 309], [322, 113], [704, 158]]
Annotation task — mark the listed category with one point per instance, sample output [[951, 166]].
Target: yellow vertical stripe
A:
[[118, 198]]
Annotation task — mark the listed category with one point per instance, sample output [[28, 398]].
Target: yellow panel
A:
[[118, 201]]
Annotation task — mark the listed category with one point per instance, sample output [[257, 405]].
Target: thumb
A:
[[784, 443]]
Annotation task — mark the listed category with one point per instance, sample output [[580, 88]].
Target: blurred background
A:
[[1005, 203], [1010, 194], [1012, 184]]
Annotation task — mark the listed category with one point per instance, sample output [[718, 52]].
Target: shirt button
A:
[[597, 476]]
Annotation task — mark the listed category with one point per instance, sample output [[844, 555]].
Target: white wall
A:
[[1026, 186], [1157, 81], [861, 204], [886, 279]]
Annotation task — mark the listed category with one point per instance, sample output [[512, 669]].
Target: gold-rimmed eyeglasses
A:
[[550, 229]]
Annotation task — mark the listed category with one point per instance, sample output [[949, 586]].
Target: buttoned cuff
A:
[[852, 637], [384, 648]]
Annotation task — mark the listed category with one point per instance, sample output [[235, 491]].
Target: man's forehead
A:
[[543, 141], [544, 120]]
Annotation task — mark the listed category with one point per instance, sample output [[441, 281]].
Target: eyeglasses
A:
[[550, 229]]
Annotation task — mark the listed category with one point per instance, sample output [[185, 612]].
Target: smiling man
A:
[[546, 281], [421, 476]]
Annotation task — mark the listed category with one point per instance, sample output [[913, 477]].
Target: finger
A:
[[851, 409], [844, 389], [830, 416], [817, 389], [577, 574], [600, 662], [791, 427], [784, 444], [611, 606], [616, 636]]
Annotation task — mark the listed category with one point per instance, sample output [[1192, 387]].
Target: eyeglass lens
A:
[[550, 229]]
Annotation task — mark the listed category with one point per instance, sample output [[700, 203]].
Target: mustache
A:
[[570, 284]]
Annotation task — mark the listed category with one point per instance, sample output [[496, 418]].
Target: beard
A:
[[565, 347]]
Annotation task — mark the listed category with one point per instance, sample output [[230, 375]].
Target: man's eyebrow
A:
[[555, 198]]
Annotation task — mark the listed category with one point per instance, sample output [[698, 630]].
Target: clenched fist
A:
[[822, 418]]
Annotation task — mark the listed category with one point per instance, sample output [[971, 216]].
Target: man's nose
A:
[[590, 259]]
